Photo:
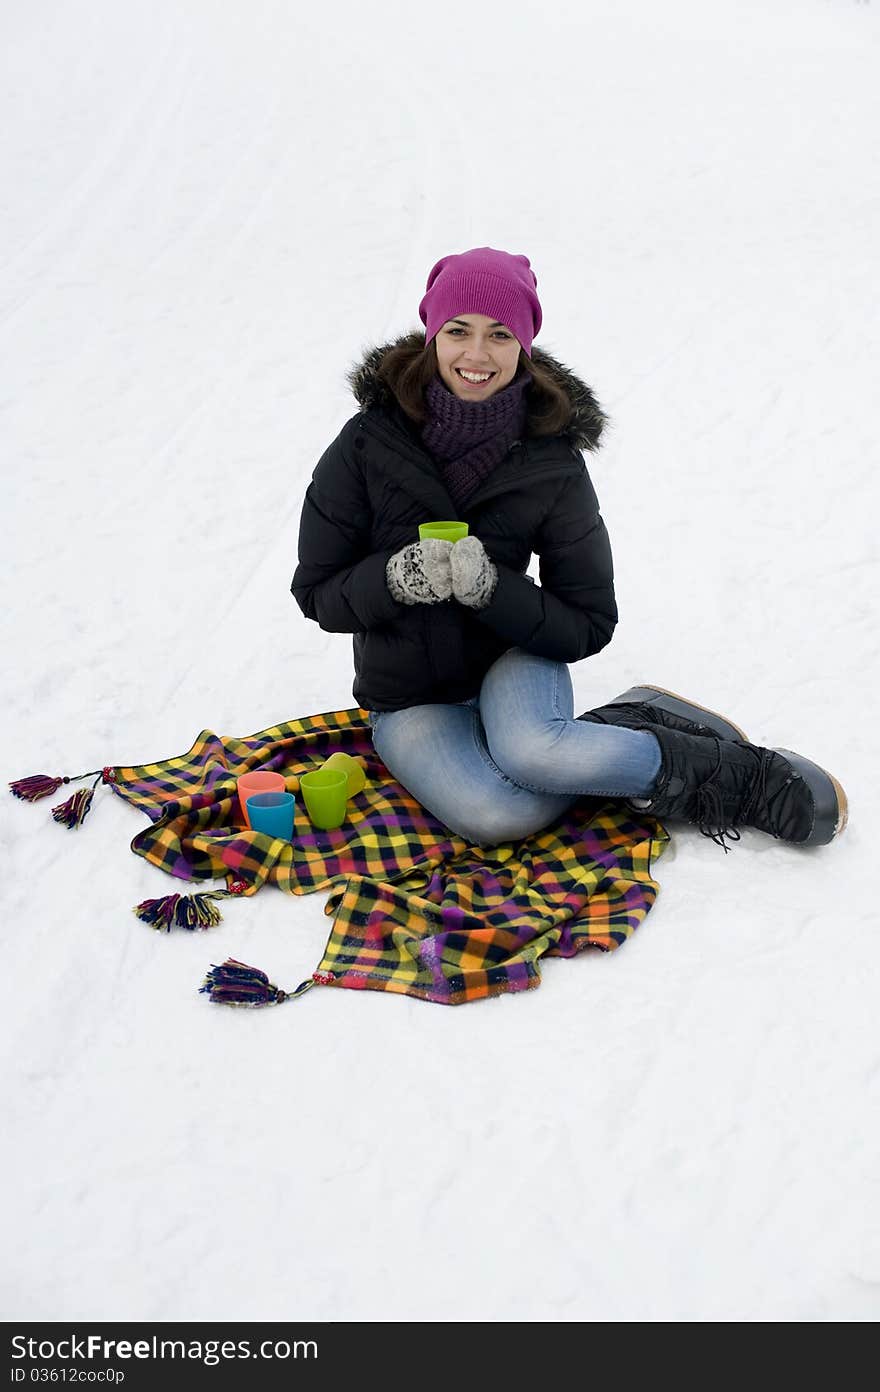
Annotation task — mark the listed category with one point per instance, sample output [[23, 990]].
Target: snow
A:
[[208, 211]]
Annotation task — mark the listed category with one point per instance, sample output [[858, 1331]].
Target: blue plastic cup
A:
[[272, 813]]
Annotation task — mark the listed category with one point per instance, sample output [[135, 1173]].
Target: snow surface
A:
[[208, 211]]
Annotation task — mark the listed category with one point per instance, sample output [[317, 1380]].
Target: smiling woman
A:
[[461, 660], [476, 357]]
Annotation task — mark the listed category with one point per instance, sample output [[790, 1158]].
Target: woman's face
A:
[[476, 344]]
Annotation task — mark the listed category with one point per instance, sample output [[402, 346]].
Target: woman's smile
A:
[[475, 380]]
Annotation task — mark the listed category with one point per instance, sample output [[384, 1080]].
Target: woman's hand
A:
[[421, 573], [474, 577]]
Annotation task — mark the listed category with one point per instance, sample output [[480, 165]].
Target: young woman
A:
[[461, 659]]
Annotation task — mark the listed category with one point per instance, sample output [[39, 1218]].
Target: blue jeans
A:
[[508, 762]]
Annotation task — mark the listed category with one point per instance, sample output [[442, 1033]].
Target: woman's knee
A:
[[401, 738], [526, 704]]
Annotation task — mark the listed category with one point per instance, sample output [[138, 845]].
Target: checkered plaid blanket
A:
[[415, 909]]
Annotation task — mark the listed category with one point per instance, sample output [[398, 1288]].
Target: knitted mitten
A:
[[421, 573], [474, 577]]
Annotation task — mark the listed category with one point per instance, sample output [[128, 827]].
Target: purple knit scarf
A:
[[468, 438]]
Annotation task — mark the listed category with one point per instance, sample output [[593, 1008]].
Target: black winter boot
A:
[[721, 785], [645, 706]]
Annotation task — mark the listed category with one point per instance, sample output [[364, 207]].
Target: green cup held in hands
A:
[[444, 531]]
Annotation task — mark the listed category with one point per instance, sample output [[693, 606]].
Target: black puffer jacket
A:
[[372, 487]]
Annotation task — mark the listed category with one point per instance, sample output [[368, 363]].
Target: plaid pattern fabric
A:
[[416, 909]]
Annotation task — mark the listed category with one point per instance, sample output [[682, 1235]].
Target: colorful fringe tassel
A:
[[39, 785], [71, 813], [182, 910], [235, 983]]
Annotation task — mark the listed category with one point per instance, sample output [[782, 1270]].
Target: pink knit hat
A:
[[483, 281]]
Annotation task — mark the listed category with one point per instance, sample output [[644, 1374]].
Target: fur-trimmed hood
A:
[[588, 419]]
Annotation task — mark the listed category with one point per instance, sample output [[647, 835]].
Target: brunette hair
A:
[[407, 368]]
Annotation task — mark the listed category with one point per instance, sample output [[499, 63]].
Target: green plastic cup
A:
[[444, 531], [351, 767], [325, 794]]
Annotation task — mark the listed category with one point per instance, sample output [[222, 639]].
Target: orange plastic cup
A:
[[260, 781]]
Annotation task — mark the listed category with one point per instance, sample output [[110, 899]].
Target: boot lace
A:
[[758, 796], [709, 813]]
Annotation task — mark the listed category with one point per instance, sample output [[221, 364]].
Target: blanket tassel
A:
[[39, 785], [187, 910], [71, 813], [181, 911], [235, 983]]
